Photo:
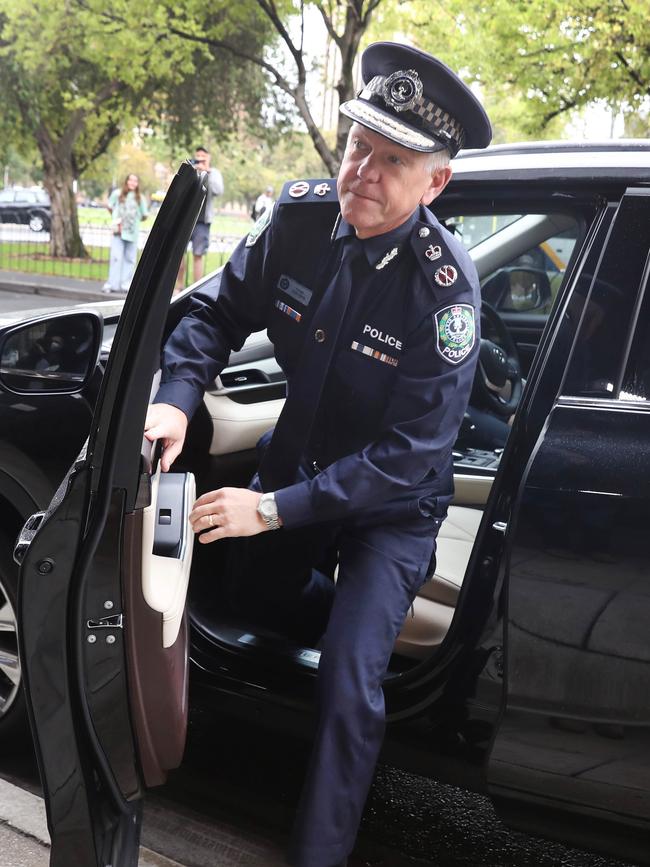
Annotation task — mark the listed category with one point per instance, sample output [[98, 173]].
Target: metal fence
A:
[[28, 252]]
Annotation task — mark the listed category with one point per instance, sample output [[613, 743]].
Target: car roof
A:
[[627, 159]]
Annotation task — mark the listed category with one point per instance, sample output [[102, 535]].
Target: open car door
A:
[[103, 638]]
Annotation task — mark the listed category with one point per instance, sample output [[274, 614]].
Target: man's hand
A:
[[229, 512], [168, 424]]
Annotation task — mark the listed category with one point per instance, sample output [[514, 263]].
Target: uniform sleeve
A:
[[428, 402], [219, 321]]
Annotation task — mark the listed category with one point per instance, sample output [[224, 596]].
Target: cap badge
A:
[[322, 189], [299, 189], [402, 89], [432, 253], [387, 258], [423, 232], [446, 275]]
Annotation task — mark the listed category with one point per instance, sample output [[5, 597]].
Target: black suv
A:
[[29, 206], [525, 672]]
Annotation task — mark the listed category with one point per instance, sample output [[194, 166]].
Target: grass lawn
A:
[[223, 224], [32, 258]]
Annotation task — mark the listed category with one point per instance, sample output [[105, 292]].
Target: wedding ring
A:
[[210, 520]]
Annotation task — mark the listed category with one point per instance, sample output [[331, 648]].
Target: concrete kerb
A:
[[55, 287], [24, 813]]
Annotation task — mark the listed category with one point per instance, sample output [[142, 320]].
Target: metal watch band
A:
[[268, 509]]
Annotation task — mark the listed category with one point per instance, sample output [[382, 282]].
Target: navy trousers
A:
[[284, 580]]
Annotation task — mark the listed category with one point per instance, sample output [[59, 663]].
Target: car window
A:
[[521, 258], [6, 196], [603, 364], [636, 380], [26, 196]]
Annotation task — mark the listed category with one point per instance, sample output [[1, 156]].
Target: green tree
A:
[[73, 79], [539, 60], [227, 30]]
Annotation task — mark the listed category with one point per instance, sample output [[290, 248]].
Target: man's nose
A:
[[368, 170]]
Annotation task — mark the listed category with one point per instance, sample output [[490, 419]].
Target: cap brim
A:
[[389, 126]]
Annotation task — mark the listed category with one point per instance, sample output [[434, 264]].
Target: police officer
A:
[[372, 308]]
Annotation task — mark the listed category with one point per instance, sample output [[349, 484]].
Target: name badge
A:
[[294, 289]]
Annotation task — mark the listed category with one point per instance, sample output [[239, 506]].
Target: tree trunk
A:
[[65, 240]]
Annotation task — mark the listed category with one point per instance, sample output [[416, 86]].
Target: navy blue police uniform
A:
[[374, 474]]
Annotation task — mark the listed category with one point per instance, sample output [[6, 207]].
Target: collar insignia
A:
[[387, 258]]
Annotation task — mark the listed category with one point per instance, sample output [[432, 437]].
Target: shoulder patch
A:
[[455, 332], [259, 227]]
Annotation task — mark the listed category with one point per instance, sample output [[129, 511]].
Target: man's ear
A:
[[439, 180]]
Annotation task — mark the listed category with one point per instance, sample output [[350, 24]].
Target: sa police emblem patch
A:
[[455, 332], [260, 226]]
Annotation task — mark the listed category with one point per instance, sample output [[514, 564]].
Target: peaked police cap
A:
[[416, 101]]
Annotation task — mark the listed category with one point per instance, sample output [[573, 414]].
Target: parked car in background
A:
[[27, 205], [524, 672]]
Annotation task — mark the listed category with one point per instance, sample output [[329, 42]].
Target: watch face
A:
[[268, 508]]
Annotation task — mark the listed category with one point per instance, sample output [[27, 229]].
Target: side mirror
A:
[[529, 289], [518, 289], [53, 355]]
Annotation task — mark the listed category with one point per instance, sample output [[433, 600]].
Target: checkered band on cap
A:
[[432, 118]]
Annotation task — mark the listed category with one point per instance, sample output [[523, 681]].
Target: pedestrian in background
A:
[[128, 207], [263, 203], [200, 240]]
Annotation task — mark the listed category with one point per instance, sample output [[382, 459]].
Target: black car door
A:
[[571, 757], [103, 638]]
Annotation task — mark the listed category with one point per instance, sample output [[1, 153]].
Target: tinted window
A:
[[602, 341], [636, 381]]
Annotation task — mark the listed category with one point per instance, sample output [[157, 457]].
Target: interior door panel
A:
[[167, 545], [155, 587], [238, 426]]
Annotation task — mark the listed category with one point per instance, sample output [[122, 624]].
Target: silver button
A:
[[424, 232], [319, 335]]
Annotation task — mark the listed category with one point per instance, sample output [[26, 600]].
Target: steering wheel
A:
[[498, 382]]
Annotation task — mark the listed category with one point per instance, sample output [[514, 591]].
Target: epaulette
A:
[[309, 191], [442, 271]]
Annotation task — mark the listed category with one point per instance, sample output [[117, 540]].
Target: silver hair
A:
[[438, 160]]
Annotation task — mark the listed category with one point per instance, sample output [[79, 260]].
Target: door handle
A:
[[500, 527]]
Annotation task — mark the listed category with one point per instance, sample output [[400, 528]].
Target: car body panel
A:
[[576, 727]]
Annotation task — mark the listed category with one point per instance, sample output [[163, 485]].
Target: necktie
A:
[[291, 434]]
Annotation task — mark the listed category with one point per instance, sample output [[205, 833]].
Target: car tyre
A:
[[14, 725], [37, 223]]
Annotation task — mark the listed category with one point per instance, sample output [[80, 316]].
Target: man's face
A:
[[202, 161], [381, 183]]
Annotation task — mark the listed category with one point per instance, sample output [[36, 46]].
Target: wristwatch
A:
[[269, 511]]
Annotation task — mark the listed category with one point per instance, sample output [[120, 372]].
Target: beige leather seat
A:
[[433, 609]]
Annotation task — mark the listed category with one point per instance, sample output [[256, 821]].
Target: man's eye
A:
[[395, 160]]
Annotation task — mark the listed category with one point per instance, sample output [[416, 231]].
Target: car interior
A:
[[521, 260]]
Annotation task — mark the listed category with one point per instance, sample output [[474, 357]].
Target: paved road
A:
[[10, 301], [232, 802]]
